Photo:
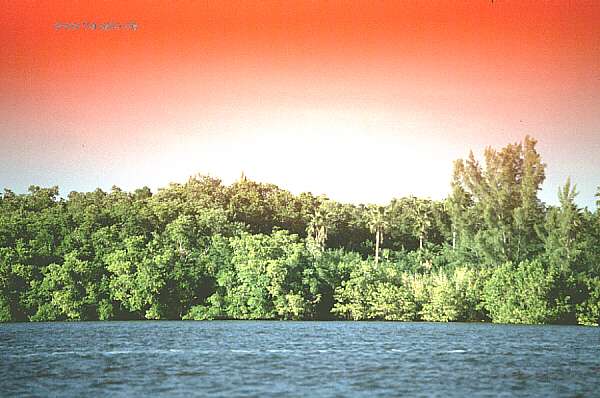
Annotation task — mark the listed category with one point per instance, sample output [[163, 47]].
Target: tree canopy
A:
[[491, 251]]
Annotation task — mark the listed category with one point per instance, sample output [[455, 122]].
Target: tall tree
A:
[[563, 227], [460, 204], [319, 222], [378, 224], [421, 212], [495, 206]]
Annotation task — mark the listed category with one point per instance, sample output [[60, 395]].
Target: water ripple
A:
[[318, 359]]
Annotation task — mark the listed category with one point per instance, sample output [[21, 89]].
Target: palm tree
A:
[[378, 225], [318, 224], [421, 211], [317, 229]]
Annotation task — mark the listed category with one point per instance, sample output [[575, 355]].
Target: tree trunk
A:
[[453, 239], [421, 242], [376, 247]]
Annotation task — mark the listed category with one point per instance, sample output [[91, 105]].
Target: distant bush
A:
[[522, 293]]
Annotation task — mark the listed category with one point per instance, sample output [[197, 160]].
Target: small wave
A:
[[113, 352], [117, 352], [33, 354], [47, 354], [205, 352], [454, 351]]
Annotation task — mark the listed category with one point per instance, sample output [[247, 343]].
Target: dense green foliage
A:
[[202, 250]]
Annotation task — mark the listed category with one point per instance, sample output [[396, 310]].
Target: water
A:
[[297, 359]]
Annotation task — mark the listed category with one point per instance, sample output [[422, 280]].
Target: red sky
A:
[[360, 100]]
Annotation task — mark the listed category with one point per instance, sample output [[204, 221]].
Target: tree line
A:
[[491, 251]]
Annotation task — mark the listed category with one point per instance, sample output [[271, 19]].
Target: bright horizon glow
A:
[[360, 103]]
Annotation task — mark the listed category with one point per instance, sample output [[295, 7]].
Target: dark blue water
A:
[[297, 359]]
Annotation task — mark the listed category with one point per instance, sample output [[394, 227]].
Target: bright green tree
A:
[[522, 293], [495, 208]]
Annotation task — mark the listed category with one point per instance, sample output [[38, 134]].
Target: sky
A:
[[360, 100]]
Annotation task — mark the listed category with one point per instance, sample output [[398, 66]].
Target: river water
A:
[[231, 358]]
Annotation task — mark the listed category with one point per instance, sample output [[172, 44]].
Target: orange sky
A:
[[361, 100]]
